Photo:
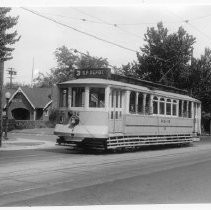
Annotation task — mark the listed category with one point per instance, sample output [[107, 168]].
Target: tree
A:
[[199, 80], [6, 40], [165, 57], [67, 61]]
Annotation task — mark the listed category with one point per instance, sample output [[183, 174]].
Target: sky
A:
[[122, 24]]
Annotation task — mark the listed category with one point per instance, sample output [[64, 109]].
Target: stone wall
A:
[[27, 124]]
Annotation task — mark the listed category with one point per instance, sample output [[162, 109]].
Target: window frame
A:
[[155, 100], [61, 97], [97, 108], [78, 107], [135, 102]]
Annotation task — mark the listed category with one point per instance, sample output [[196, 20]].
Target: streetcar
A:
[[101, 110]]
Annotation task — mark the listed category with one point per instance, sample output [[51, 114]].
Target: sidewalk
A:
[[17, 143]]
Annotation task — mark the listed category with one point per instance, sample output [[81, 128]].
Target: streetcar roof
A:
[[128, 86], [97, 81], [174, 95]]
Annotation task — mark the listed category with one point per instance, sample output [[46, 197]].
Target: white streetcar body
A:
[[103, 113]]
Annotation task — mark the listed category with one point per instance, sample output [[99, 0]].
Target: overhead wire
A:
[[75, 29], [187, 21], [73, 18], [88, 34], [108, 23]]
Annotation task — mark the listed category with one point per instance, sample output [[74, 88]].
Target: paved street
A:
[[61, 176]]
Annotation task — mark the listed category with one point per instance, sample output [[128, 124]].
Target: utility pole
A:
[[32, 72], [1, 87], [11, 73]]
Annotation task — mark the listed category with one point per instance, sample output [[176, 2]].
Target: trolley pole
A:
[[1, 87]]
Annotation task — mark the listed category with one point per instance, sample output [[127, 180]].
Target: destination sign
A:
[[93, 73]]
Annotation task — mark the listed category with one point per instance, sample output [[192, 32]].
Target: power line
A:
[[75, 29], [88, 34], [123, 24], [73, 18], [108, 23], [11, 72], [202, 17], [187, 21]]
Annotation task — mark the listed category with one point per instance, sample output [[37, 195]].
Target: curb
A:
[[35, 134], [23, 144]]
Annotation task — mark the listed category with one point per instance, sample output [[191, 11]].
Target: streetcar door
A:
[[195, 128], [116, 111]]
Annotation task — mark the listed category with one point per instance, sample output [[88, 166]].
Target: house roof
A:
[[37, 97]]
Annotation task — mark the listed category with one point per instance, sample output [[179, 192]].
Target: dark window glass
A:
[[190, 109], [168, 107], [78, 97], [174, 110], [64, 97], [97, 97], [180, 108], [117, 99], [132, 107], [112, 115], [140, 103], [147, 105], [116, 115], [155, 105], [185, 111], [162, 106]]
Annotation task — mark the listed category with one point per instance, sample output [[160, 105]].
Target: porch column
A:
[[35, 114]]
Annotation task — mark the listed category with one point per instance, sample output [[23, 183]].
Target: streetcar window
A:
[[97, 97], [140, 103], [185, 114], [78, 97], [132, 107], [174, 110], [64, 97], [117, 99], [190, 109], [155, 105], [180, 108], [168, 107], [162, 106], [147, 105]]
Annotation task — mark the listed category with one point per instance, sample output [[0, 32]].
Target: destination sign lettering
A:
[[93, 73]]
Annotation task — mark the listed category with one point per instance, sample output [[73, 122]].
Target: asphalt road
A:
[[61, 176]]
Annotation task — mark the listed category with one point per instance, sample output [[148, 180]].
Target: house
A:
[[28, 103]]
